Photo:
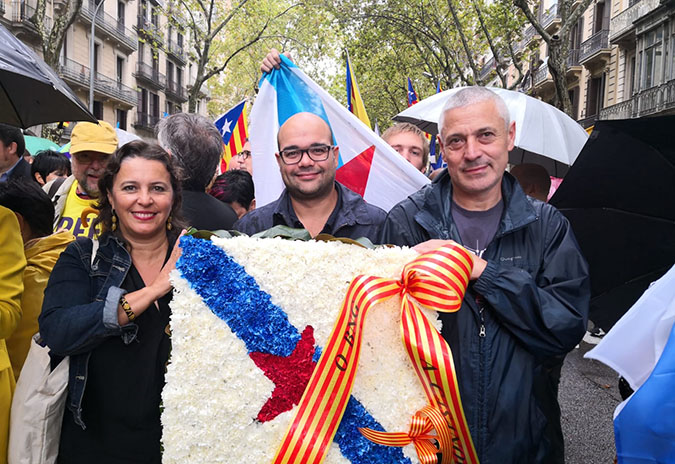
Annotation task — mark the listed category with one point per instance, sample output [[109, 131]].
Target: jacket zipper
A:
[[481, 381]]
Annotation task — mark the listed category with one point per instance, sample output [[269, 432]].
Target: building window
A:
[[652, 59], [120, 69], [154, 105], [98, 110], [121, 116], [179, 77], [595, 91], [97, 49], [120, 13]]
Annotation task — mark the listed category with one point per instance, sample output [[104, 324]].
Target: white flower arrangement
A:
[[214, 391]]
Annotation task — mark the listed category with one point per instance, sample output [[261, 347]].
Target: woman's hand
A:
[[162, 284]]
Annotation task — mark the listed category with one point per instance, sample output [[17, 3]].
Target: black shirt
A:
[[121, 404]]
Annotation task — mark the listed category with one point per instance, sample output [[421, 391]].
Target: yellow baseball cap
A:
[[88, 136]]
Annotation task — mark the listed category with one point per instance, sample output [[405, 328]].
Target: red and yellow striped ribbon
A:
[[436, 280]]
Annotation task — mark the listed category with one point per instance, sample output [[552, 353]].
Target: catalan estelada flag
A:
[[412, 95], [356, 105], [234, 130]]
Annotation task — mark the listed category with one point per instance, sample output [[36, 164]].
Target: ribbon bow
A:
[[437, 280]]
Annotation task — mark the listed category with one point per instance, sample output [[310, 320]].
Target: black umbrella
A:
[[30, 91], [620, 199]]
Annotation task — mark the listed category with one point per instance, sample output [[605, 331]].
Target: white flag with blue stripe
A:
[[367, 165]]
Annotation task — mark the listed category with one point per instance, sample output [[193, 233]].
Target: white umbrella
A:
[[124, 137], [541, 129]]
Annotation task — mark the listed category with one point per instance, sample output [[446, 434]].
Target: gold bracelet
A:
[[127, 309]]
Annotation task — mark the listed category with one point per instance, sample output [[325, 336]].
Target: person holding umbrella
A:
[[529, 292]]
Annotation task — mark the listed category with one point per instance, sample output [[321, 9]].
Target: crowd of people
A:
[[87, 245]]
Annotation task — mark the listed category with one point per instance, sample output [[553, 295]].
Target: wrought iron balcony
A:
[[489, 66], [573, 58], [146, 26], [540, 75], [74, 73], [175, 91], [595, 45], [151, 76], [77, 75], [623, 110], [623, 23], [110, 26], [114, 89], [550, 16], [23, 14], [146, 121], [177, 51]]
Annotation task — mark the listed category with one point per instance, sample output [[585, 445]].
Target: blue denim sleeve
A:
[[73, 320]]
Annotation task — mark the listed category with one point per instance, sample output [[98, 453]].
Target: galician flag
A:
[[233, 129], [367, 164], [356, 105], [641, 348]]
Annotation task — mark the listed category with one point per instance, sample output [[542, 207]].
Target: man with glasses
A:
[[90, 148], [312, 199], [242, 161]]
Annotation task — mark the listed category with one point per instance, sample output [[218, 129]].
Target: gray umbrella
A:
[[30, 91]]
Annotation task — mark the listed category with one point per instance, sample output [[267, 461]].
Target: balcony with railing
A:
[[489, 66], [23, 16], [623, 110], [146, 121], [528, 35], [175, 91], [595, 47], [621, 25], [573, 58], [110, 26], [150, 29], [541, 75], [74, 73], [177, 51], [77, 75], [550, 18], [150, 76]]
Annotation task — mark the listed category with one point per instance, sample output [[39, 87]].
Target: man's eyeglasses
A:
[[315, 153], [244, 154]]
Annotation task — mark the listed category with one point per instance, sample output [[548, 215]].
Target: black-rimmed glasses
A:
[[244, 154], [316, 153]]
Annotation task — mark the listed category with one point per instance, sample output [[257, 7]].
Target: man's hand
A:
[[479, 264], [273, 60]]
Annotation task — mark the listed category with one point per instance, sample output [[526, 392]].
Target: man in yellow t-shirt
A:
[[90, 146]]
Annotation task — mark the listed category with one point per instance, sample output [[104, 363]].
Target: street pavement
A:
[[588, 395]]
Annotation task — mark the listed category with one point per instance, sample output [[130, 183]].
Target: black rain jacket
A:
[[531, 302]]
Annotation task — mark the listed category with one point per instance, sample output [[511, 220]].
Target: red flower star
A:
[[290, 375]]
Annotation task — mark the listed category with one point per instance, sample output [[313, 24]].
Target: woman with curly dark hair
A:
[[106, 306]]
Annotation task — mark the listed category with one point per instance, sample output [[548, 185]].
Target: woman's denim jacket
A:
[[80, 308]]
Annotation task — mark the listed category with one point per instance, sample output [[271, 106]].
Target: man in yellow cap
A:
[[90, 147]]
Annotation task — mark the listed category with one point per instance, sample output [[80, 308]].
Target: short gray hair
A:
[[196, 143], [470, 96]]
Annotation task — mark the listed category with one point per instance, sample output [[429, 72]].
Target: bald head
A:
[[304, 124]]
